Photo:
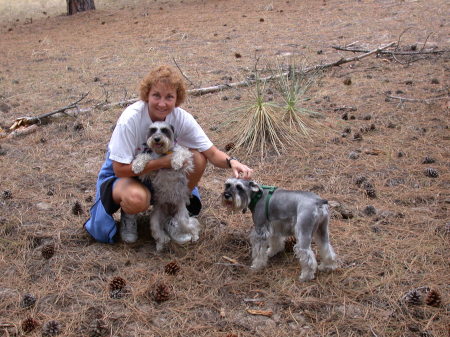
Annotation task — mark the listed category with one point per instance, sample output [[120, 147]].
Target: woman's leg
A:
[[133, 197]]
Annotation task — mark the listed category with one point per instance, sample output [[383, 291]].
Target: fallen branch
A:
[[393, 52], [22, 121]]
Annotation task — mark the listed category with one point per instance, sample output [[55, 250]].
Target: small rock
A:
[[369, 210], [43, 206], [353, 155]]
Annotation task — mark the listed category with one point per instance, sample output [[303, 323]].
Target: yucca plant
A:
[[292, 86], [259, 124]]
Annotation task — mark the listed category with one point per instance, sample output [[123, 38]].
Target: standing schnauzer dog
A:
[[278, 214], [169, 218]]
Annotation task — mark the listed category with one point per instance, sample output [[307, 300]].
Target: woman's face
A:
[[161, 101]]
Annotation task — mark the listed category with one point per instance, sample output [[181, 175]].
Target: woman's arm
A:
[[219, 159], [124, 170]]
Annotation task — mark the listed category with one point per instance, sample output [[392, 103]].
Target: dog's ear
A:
[[254, 187]]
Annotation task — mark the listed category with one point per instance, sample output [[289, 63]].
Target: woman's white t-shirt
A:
[[130, 134]]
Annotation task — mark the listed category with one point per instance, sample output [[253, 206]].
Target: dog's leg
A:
[[303, 232], [157, 230], [259, 242], [276, 245], [326, 252], [178, 227]]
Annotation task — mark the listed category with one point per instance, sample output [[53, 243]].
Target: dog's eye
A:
[[239, 187], [227, 186], [165, 131], [152, 131]]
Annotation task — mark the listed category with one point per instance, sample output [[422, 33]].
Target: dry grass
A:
[[403, 247]]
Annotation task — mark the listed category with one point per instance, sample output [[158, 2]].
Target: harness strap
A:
[[259, 194]]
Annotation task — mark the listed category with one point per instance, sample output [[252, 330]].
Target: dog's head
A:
[[161, 137], [238, 193]]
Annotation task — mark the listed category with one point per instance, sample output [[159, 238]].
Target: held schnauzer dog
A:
[[278, 214], [169, 218]]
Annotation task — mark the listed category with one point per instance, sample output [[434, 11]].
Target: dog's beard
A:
[[159, 147], [235, 203]]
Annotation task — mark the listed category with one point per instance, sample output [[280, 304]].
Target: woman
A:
[[161, 93]]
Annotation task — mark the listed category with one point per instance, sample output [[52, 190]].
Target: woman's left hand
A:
[[240, 170]]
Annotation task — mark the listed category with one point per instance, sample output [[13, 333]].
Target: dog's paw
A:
[[138, 164], [306, 276], [182, 159], [327, 267]]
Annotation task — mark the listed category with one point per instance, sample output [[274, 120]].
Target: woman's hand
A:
[[240, 170]]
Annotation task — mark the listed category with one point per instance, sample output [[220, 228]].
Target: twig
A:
[[181, 71], [400, 36], [37, 119], [417, 100], [232, 264]]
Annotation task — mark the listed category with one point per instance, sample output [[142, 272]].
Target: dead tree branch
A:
[[391, 53], [38, 119]]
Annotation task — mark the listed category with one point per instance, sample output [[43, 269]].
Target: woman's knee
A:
[[132, 196]]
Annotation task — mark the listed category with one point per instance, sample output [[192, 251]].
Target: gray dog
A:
[[278, 214], [169, 218]]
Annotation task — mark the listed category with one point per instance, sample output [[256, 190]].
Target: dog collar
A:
[[255, 198]]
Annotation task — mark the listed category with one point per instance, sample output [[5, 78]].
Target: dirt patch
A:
[[389, 241]]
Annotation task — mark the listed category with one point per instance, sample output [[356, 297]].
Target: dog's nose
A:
[[227, 195], [157, 139]]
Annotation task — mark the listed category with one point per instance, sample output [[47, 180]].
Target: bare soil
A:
[[47, 178]]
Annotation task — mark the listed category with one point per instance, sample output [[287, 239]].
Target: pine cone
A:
[[360, 180], [161, 293], [77, 209], [117, 283], [413, 297], [51, 328], [28, 300], [428, 160], [433, 298], [229, 147], [7, 194], [48, 251], [172, 268], [370, 190], [98, 328], [29, 324], [289, 244], [431, 172]]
